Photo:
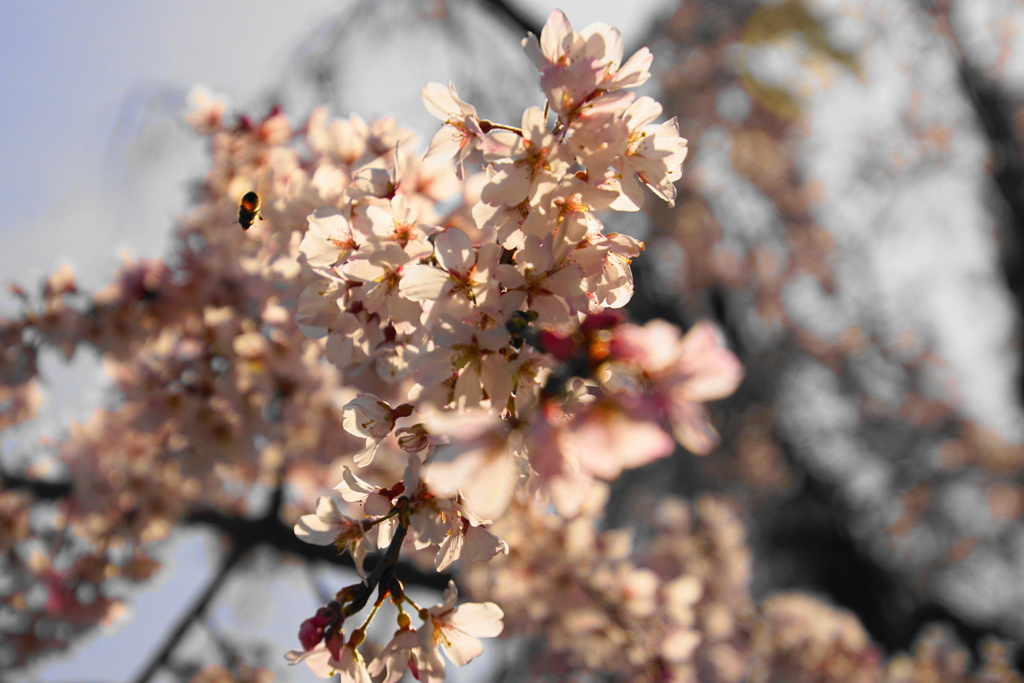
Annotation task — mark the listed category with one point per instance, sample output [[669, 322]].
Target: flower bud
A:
[[310, 634], [357, 638]]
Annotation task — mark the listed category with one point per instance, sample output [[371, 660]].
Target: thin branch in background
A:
[[315, 586], [513, 15], [193, 614], [41, 490], [230, 654]]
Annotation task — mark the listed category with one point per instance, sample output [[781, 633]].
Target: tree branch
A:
[[513, 15], [244, 533], [160, 659], [41, 490], [272, 533]]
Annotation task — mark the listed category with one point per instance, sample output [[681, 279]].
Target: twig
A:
[[388, 562], [161, 658]]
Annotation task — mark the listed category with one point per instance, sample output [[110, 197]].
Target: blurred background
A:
[[851, 215]]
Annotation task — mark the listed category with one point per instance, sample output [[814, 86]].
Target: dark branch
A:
[[385, 567], [160, 659], [245, 533], [41, 490], [269, 531], [513, 15], [272, 533], [811, 533]]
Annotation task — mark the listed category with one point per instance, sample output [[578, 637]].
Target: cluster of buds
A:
[[454, 629]]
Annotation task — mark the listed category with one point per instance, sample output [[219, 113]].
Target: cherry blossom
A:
[[329, 240], [405, 651], [467, 538], [530, 160], [686, 371], [553, 289], [380, 272], [206, 110], [397, 222], [464, 279], [461, 131], [654, 155], [577, 66], [480, 463], [375, 501], [464, 365], [452, 332], [369, 417], [328, 526], [457, 630], [331, 658]]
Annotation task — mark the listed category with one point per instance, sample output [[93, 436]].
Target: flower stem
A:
[[502, 126]]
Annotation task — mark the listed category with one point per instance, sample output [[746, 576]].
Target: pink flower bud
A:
[[310, 634], [601, 321]]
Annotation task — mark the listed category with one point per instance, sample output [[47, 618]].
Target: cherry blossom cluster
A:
[[220, 397], [482, 392], [504, 375], [477, 367], [679, 607]]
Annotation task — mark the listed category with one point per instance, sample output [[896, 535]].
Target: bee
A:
[[249, 210]]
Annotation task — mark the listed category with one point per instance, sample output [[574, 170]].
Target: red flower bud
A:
[[562, 348], [310, 634]]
